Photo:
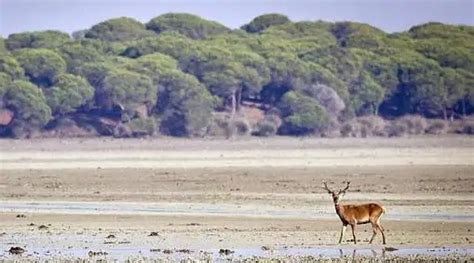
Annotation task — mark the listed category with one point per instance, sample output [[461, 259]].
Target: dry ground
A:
[[211, 194]]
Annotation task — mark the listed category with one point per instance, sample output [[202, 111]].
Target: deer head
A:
[[336, 195]]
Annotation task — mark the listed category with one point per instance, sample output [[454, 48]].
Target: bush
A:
[[122, 131], [66, 127], [301, 115], [437, 127], [265, 128], [222, 125], [466, 127], [367, 126], [143, 126], [413, 124], [350, 129], [240, 127], [21, 130], [395, 129], [372, 126]]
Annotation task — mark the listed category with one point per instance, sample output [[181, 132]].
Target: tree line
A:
[[182, 75]]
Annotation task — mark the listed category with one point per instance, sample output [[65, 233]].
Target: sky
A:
[[388, 15]]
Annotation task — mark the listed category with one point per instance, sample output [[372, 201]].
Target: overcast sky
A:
[[72, 15]]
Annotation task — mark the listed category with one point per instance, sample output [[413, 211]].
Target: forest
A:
[[182, 75]]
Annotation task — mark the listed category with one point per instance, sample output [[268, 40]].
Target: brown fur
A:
[[357, 214]]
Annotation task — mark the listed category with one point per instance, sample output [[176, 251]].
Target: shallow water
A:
[[423, 213], [123, 253]]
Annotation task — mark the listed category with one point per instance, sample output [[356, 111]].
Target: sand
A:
[[258, 198]]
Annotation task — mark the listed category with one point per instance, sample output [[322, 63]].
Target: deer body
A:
[[357, 214]]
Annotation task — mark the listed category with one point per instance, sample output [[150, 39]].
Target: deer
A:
[[357, 214]]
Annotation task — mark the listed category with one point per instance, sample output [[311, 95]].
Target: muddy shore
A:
[[181, 199]]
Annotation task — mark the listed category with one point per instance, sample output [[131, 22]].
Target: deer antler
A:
[[343, 191], [327, 188]]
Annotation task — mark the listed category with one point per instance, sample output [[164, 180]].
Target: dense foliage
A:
[[182, 75]]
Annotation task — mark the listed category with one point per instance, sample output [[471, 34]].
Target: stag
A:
[[357, 214]]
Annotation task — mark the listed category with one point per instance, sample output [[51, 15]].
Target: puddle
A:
[[211, 210], [124, 253]]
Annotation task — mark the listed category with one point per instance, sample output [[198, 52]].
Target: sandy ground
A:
[[258, 198]]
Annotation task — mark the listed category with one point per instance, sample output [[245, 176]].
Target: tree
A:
[[343, 63], [125, 88], [180, 68], [153, 65], [79, 34], [225, 82], [466, 103], [41, 65], [301, 114], [255, 74], [68, 93], [263, 22], [77, 53], [40, 39], [3, 47], [5, 81], [228, 74], [454, 90], [439, 30], [366, 94], [118, 29], [419, 87], [186, 24], [169, 43], [29, 105], [11, 67], [326, 97], [184, 104], [95, 72], [350, 34], [287, 72]]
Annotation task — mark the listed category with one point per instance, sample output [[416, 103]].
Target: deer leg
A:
[[353, 233], [381, 231], [342, 233], [374, 228]]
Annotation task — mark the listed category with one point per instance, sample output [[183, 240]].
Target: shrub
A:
[[301, 115], [122, 131], [466, 127], [143, 126], [395, 129], [437, 127], [67, 127], [21, 130], [350, 129], [220, 126], [265, 128], [414, 124], [240, 127], [372, 126]]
